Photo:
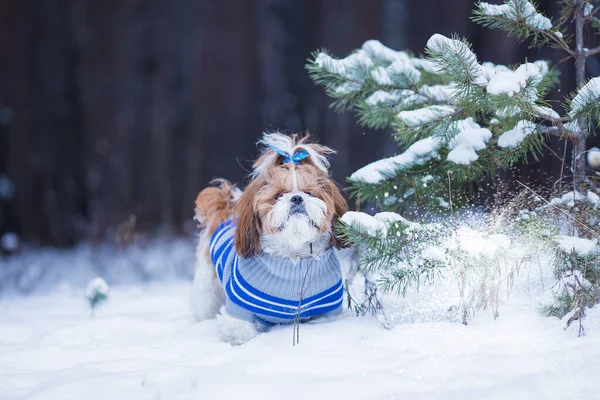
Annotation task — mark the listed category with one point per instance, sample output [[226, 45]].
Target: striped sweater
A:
[[274, 290]]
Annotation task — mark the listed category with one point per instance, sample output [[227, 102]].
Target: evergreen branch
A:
[[557, 131], [394, 251], [584, 104], [520, 18]]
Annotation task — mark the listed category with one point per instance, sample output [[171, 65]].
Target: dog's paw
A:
[[235, 331]]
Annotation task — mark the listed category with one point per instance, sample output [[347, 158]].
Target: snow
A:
[[579, 245], [399, 72], [509, 10], [417, 154], [373, 224], [593, 198], [488, 71], [442, 45], [425, 115], [593, 157], [558, 34], [370, 225], [514, 137], [546, 112], [440, 93], [351, 67], [388, 217], [398, 67], [406, 97], [470, 138], [477, 243], [392, 97], [587, 9], [568, 199], [586, 96], [511, 82], [96, 286], [348, 87], [9, 242], [378, 52], [144, 344], [573, 279], [147, 260]]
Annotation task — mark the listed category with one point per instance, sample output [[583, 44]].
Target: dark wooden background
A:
[[114, 108]]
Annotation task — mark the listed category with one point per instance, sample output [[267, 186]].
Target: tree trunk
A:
[[578, 163]]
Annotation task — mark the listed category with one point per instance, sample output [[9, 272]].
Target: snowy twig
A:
[[557, 131], [593, 51], [591, 14], [590, 230]]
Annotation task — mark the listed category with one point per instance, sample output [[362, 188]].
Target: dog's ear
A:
[[248, 230], [340, 208]]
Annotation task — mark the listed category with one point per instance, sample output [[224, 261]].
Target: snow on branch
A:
[[520, 18], [510, 82], [425, 115], [417, 154], [515, 136], [587, 99], [454, 58], [518, 11], [351, 67], [371, 225], [470, 138]]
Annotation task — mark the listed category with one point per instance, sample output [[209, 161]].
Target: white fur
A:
[[235, 331], [285, 244], [295, 233], [284, 143], [280, 213], [207, 293]]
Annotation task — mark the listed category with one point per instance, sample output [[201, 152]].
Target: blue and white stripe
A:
[[274, 290]]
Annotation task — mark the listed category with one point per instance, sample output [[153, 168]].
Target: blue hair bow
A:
[[296, 158]]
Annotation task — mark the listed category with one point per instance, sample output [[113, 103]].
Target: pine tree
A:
[[461, 120]]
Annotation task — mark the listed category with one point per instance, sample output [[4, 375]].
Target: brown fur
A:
[[214, 205], [260, 196]]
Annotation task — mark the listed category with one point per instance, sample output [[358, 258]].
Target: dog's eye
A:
[[311, 194], [278, 195]]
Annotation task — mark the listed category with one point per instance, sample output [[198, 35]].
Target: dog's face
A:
[[294, 203]]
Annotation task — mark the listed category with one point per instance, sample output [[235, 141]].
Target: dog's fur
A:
[[266, 220]]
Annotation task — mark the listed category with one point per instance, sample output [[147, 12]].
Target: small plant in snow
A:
[[96, 293]]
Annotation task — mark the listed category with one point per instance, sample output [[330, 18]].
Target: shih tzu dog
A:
[[265, 255]]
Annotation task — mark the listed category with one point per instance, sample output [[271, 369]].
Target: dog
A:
[[266, 255]]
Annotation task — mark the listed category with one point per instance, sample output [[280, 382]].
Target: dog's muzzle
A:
[[297, 206]]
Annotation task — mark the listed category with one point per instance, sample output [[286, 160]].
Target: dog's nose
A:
[[297, 199]]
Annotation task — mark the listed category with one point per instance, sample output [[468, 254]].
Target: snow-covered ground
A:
[[144, 344]]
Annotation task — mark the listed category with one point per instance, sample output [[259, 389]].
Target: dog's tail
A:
[[214, 205]]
